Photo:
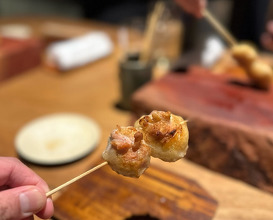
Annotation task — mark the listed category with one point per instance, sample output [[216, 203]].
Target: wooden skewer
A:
[[150, 31], [220, 28], [75, 179]]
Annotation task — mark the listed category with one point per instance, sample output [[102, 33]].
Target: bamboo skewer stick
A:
[[220, 28], [75, 179], [150, 31]]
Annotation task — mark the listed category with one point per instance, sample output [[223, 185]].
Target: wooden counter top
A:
[[93, 90]]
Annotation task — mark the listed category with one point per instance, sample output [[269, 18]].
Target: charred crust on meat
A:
[[138, 138]]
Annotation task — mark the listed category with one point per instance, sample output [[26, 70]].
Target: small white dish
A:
[[57, 139]]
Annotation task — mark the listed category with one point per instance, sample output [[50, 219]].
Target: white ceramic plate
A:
[[57, 139]]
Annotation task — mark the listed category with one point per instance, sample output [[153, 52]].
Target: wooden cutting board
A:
[[157, 194], [230, 122]]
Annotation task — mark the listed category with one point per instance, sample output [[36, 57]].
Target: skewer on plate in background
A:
[[149, 33], [259, 72], [220, 28]]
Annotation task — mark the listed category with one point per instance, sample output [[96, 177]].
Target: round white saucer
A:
[[57, 139]]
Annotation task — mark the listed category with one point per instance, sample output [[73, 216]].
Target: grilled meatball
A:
[[166, 134], [127, 153], [261, 74], [244, 54]]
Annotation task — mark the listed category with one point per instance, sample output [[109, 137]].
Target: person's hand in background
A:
[[194, 7], [22, 192], [267, 37]]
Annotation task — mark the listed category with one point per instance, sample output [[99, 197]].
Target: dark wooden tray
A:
[[157, 194]]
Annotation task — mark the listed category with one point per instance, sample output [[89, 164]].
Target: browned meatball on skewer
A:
[[259, 72], [126, 152], [244, 54], [166, 134]]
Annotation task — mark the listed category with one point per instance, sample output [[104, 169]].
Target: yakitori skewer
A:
[[159, 134], [75, 179], [258, 71], [220, 28]]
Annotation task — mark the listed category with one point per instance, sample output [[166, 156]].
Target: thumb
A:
[[21, 202]]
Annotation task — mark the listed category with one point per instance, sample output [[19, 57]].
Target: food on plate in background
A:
[[259, 72], [244, 54]]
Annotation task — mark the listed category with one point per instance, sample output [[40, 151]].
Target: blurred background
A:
[[116, 60], [188, 36]]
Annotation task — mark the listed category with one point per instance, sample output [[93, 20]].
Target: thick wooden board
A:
[[157, 194], [230, 122], [18, 55]]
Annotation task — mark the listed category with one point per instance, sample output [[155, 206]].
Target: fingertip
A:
[[269, 26], [21, 202], [31, 200], [203, 4], [47, 211]]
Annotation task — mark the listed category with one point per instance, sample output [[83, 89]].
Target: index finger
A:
[[269, 27], [14, 173]]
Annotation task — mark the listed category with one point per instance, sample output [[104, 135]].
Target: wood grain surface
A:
[[228, 119], [157, 193]]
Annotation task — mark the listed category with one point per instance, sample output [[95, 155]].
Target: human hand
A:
[[267, 37], [194, 7], [22, 192]]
